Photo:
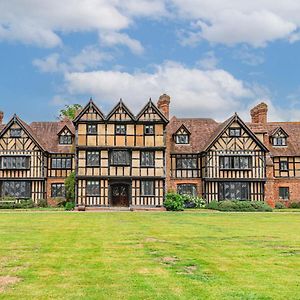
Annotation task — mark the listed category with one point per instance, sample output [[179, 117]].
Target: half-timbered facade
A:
[[120, 157]]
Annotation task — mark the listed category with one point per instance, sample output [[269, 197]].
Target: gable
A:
[[89, 113], [151, 113], [182, 130], [120, 113], [65, 131], [236, 136], [23, 142], [279, 132]]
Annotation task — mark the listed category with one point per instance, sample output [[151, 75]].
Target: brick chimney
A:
[[1, 117], [163, 104], [259, 113]]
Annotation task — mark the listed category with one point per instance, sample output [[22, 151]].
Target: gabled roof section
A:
[[182, 128], [120, 113], [149, 109], [225, 125], [16, 120], [277, 131], [90, 108], [63, 128]]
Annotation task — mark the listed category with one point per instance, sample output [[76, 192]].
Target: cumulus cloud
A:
[[194, 91]]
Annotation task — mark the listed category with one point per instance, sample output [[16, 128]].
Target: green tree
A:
[[70, 187], [69, 111]]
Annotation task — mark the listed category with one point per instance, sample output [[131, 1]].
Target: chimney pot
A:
[[259, 113]]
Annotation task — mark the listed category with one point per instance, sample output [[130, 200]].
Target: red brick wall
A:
[[52, 201], [173, 184]]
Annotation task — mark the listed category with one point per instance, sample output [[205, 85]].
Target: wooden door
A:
[[120, 195]]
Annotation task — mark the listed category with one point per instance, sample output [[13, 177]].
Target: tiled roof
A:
[[293, 140], [46, 134], [201, 132]]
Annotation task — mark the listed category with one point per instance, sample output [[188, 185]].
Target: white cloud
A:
[[116, 38], [194, 92], [208, 61], [230, 22]]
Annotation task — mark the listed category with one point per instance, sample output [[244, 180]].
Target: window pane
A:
[[92, 129], [187, 189], [147, 158], [93, 158], [149, 129], [182, 139], [18, 189], [120, 129], [120, 157], [284, 193], [93, 188], [15, 132], [15, 162], [147, 188]]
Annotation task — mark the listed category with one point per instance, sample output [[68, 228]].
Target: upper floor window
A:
[[120, 158], [181, 139], [235, 162], [120, 129], [187, 189], [284, 193], [15, 132], [65, 139], [61, 163], [93, 158], [92, 129], [147, 159], [18, 189], [234, 132], [58, 190], [148, 129], [279, 141], [283, 165], [15, 162], [147, 188], [186, 163], [92, 188]]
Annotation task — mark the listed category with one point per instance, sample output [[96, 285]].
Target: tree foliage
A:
[[70, 187], [69, 111]]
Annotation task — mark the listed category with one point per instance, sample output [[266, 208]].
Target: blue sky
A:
[[212, 57]]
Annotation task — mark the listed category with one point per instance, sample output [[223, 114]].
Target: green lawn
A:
[[147, 255]]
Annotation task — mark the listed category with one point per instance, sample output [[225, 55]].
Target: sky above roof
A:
[[213, 57]]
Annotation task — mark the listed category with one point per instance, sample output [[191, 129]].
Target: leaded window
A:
[[147, 188], [61, 163], [120, 158], [181, 138], [92, 129], [279, 141], [186, 163], [234, 191], [92, 188], [148, 129], [187, 189], [18, 189], [284, 193], [15, 162], [58, 190], [65, 139], [120, 129], [283, 166], [93, 158], [15, 132], [147, 159], [234, 132], [235, 162]]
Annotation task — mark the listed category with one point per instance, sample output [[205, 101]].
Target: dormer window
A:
[[15, 132], [234, 132], [182, 136], [279, 137], [65, 140]]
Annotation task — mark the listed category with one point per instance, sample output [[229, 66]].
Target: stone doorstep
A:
[[131, 208]]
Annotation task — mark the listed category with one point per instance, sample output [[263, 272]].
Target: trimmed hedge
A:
[[237, 205]]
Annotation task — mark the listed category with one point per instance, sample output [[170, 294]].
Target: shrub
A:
[[25, 203], [42, 203], [174, 202], [294, 205], [12, 203], [279, 205], [70, 187], [237, 205], [70, 206], [193, 202]]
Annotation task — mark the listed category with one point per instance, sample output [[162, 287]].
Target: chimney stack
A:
[[163, 104], [259, 113], [1, 117]]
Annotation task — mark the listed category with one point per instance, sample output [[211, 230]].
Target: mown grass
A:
[[147, 255]]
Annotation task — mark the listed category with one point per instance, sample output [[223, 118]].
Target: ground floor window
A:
[[187, 189], [234, 191], [92, 188], [57, 190], [147, 188], [284, 193], [18, 189]]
